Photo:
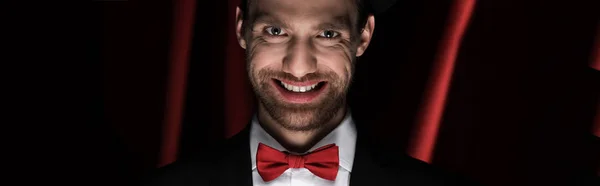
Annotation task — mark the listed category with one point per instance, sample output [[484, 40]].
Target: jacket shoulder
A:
[[197, 168], [188, 169], [420, 171], [411, 171], [181, 172], [194, 169]]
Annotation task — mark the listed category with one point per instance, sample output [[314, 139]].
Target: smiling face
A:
[[300, 57]]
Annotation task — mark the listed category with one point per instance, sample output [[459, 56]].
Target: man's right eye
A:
[[275, 31]]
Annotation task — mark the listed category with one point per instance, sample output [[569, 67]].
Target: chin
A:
[[297, 120]]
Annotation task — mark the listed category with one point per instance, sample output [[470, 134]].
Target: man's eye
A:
[[276, 31], [329, 34]]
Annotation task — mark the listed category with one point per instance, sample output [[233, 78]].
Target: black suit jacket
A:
[[229, 164]]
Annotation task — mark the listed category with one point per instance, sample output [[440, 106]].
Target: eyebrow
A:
[[264, 17], [337, 23]]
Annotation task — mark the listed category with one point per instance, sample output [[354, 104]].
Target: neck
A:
[[298, 141]]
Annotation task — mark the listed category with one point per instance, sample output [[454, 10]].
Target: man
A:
[[300, 60]]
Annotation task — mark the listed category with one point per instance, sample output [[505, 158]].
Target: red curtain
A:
[[505, 92], [595, 64], [430, 114]]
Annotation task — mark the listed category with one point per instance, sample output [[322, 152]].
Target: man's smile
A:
[[299, 92]]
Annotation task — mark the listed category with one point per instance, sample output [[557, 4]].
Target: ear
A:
[[366, 35], [239, 19]]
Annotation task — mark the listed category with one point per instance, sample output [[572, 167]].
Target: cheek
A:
[[338, 59], [265, 55]]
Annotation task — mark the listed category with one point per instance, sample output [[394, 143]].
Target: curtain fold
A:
[[429, 117], [595, 64], [181, 38]]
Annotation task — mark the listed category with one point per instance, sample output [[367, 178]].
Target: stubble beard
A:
[[299, 117]]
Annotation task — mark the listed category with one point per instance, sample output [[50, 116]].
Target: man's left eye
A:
[[329, 34]]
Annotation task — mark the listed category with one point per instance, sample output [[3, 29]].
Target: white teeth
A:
[[298, 88]]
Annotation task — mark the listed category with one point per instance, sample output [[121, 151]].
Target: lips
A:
[[299, 92]]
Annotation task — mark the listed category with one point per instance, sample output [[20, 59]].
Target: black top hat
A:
[[380, 6]]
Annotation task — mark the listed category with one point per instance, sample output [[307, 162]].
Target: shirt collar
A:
[[344, 136]]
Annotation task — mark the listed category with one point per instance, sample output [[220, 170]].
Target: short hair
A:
[[362, 8]]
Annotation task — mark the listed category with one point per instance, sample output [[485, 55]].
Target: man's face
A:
[[300, 56]]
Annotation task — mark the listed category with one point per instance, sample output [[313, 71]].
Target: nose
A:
[[300, 59]]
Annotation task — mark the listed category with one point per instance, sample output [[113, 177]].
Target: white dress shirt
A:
[[344, 136]]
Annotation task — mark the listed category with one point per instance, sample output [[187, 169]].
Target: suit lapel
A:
[[235, 167], [366, 170]]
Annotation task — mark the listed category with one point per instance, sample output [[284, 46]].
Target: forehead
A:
[[304, 9]]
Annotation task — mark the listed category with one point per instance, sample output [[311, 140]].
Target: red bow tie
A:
[[323, 162]]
